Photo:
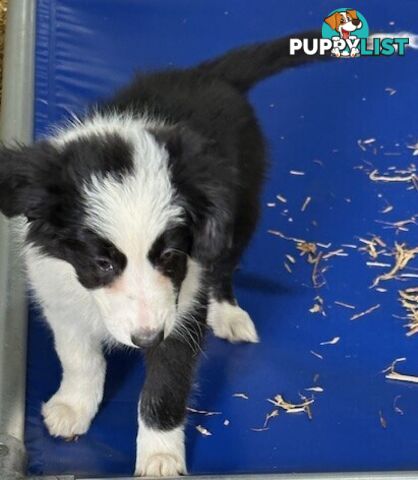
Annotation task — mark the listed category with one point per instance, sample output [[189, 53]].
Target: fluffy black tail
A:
[[246, 66]]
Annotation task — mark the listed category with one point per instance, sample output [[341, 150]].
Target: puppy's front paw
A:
[[65, 420], [162, 465], [232, 323]]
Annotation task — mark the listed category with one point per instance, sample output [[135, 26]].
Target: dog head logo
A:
[[345, 26], [344, 22]]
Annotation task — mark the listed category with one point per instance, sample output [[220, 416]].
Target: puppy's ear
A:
[[205, 185], [21, 171], [333, 20], [353, 14]]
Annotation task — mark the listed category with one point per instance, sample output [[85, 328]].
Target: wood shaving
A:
[[203, 412], [368, 141], [345, 305], [296, 172], [333, 341], [269, 416], [382, 420], [409, 301], [281, 198], [260, 429], [291, 259], [387, 209], [317, 355], [287, 267], [241, 395], [204, 431], [403, 256], [371, 246], [390, 91], [414, 148], [318, 306], [401, 225], [378, 264], [315, 389], [374, 175], [396, 408], [366, 312], [304, 406], [271, 205], [305, 204], [400, 377]]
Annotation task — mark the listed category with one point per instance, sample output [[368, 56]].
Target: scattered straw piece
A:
[[390, 91], [371, 246], [401, 377], [414, 148], [409, 300], [403, 255], [287, 267], [317, 355], [291, 259], [203, 412], [382, 420], [392, 374], [374, 175], [281, 198], [378, 264], [226, 423], [304, 406], [318, 306], [315, 389], [333, 341], [296, 172], [345, 305], [366, 312], [204, 431], [305, 204], [241, 395], [396, 408], [368, 141], [271, 204]]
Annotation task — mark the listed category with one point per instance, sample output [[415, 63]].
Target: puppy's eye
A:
[[169, 255], [104, 264]]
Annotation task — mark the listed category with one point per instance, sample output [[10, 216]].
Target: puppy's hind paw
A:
[[232, 323]]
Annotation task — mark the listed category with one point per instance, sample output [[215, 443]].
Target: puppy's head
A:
[[136, 211], [344, 22]]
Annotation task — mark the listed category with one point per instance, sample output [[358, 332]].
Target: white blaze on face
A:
[[132, 212]]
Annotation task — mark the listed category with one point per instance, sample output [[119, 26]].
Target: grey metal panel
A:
[[16, 124], [295, 476]]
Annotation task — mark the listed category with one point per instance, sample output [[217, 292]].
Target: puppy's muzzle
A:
[[146, 338]]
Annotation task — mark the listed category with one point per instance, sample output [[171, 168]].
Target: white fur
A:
[[231, 322], [160, 454]]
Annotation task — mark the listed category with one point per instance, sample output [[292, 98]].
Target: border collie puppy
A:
[[135, 219]]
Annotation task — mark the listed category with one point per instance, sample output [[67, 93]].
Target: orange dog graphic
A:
[[344, 23]]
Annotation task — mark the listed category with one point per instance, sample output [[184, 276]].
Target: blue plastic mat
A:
[[313, 118]]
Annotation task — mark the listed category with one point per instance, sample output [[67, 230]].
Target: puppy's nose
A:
[[147, 338], [356, 22]]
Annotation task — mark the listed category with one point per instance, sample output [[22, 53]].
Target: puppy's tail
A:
[[246, 66]]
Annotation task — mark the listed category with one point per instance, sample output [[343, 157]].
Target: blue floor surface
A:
[[313, 118]]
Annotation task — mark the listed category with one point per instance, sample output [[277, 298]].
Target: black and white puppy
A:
[[135, 218]]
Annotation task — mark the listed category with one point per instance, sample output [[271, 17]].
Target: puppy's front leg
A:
[[162, 408], [70, 411]]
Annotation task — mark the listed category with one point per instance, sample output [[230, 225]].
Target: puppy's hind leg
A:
[[70, 411], [226, 318]]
